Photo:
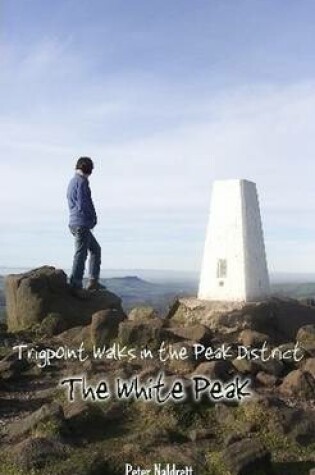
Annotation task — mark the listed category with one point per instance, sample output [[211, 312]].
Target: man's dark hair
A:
[[85, 164]]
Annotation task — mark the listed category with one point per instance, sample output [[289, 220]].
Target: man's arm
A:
[[85, 202]]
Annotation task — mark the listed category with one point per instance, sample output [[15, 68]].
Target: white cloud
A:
[[161, 178]]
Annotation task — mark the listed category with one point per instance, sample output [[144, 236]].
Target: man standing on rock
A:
[[82, 220]]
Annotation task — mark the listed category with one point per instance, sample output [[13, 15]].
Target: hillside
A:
[[135, 291], [294, 290], [230, 416]]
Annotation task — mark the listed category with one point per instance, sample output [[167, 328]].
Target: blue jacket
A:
[[81, 207]]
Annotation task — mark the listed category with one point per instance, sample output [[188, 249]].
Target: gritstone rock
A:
[[142, 313], [247, 455], [104, 326], [279, 320], [298, 383], [32, 296], [35, 453], [141, 333], [49, 415]]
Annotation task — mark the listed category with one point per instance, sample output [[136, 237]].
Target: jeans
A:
[[84, 241]]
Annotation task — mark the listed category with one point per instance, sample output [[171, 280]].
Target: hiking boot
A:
[[94, 285]]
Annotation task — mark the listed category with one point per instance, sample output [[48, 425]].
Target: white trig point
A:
[[234, 266]]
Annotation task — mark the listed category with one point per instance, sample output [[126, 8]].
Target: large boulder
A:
[[142, 313], [104, 326], [141, 334], [75, 337], [36, 452], [266, 379], [246, 456], [52, 325], [252, 338], [48, 419], [90, 420], [306, 338], [197, 333], [298, 383], [184, 362], [221, 369], [296, 423], [11, 367], [309, 366], [275, 320], [32, 296], [101, 332]]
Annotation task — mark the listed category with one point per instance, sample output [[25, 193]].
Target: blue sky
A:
[[166, 96]]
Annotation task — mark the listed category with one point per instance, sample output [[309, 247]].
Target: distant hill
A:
[[294, 290], [135, 291]]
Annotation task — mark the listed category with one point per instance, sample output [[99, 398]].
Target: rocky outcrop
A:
[[252, 338], [102, 331], [11, 366], [74, 337], [49, 416], [246, 456], [221, 370], [105, 325], [309, 366], [265, 379], [276, 320], [299, 383], [52, 325], [89, 419], [197, 333], [33, 296], [306, 334], [136, 333], [35, 452], [44, 432], [306, 338], [142, 313]]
